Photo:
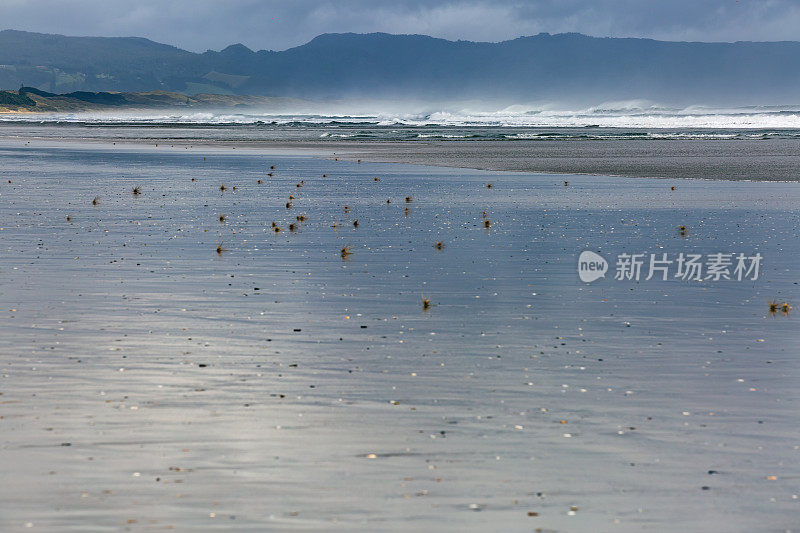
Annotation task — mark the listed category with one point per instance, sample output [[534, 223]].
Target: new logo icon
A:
[[591, 266]]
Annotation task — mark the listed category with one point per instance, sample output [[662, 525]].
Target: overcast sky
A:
[[199, 25]]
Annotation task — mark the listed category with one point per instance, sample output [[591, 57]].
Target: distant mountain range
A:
[[564, 68]]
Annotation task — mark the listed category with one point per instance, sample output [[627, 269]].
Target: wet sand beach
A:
[[169, 361], [757, 154], [774, 159]]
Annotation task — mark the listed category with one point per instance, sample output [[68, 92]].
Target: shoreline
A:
[[726, 160], [707, 160]]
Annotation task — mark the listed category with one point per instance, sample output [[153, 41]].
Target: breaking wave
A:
[[631, 119]]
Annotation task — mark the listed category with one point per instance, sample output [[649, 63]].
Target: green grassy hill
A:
[[29, 99]]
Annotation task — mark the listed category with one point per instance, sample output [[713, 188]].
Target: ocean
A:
[[629, 139], [613, 121]]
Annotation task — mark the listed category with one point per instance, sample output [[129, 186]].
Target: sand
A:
[[150, 382], [763, 160], [756, 155]]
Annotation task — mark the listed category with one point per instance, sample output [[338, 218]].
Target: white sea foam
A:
[[629, 114]]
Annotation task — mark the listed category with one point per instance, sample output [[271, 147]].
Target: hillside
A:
[[28, 99], [565, 67]]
